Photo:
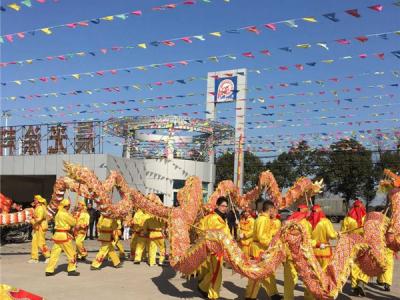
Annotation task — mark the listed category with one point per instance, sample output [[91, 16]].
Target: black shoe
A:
[[136, 262], [379, 283], [249, 299], [356, 291], [73, 273], [94, 268], [49, 273], [163, 264], [276, 297], [118, 266], [203, 293], [91, 238], [386, 287], [361, 290]]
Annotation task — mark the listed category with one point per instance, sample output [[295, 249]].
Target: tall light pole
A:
[[5, 114]]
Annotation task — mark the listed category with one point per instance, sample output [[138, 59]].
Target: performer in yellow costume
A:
[[105, 227], [62, 238], [322, 232], [139, 237], [386, 279], [82, 223], [210, 284], [39, 226], [246, 228], [264, 231], [355, 219], [289, 271], [117, 240], [154, 229]]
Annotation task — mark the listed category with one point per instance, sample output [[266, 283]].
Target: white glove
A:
[[241, 235], [322, 246]]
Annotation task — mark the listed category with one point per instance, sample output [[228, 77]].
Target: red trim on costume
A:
[[22, 294], [215, 274], [62, 230]]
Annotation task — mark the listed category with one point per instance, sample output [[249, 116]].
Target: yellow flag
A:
[[18, 82], [76, 76], [14, 6], [46, 30], [310, 19], [217, 34], [143, 45], [108, 18], [303, 46], [327, 61], [141, 68], [29, 61]]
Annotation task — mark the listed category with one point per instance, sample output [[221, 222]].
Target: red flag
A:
[[253, 29], [362, 39], [376, 7], [299, 67], [353, 12], [168, 43]]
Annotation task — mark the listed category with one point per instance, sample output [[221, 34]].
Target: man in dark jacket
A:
[[93, 214]]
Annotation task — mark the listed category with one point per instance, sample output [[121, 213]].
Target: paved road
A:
[[132, 281]]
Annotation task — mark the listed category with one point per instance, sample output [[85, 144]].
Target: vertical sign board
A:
[[229, 86]]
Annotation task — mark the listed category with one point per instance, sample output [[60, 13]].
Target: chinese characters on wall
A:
[[77, 138]]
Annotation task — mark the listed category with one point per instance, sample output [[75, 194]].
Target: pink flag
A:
[[380, 55], [21, 35], [168, 43], [343, 41], [71, 25], [299, 67], [266, 52], [363, 55], [248, 54], [283, 68], [270, 26], [83, 23], [10, 38], [137, 13], [187, 40]]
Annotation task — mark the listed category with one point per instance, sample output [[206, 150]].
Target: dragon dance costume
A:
[[82, 223], [40, 226], [210, 284], [106, 227], [264, 230], [246, 228], [62, 239]]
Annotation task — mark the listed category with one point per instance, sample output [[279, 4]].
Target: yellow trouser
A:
[[387, 276], [253, 287], [212, 280], [133, 244], [120, 247], [39, 242], [80, 248], [290, 281], [141, 245], [245, 249], [106, 248], [69, 251], [324, 262], [357, 275], [153, 245]]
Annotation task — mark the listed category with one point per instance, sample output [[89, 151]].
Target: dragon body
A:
[[367, 250]]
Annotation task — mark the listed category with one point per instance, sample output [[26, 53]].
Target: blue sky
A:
[[201, 19]]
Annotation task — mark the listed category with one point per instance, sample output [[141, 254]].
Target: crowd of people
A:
[[253, 231]]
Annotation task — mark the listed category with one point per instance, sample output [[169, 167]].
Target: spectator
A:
[[93, 217]]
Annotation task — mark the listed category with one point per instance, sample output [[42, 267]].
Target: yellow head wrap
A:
[[64, 203], [40, 199]]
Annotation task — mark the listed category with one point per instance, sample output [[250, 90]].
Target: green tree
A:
[[295, 163], [253, 166], [349, 170]]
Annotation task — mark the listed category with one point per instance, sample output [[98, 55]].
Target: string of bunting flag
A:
[[193, 94], [24, 4], [174, 64], [152, 85], [180, 106], [95, 21], [186, 105], [199, 37]]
